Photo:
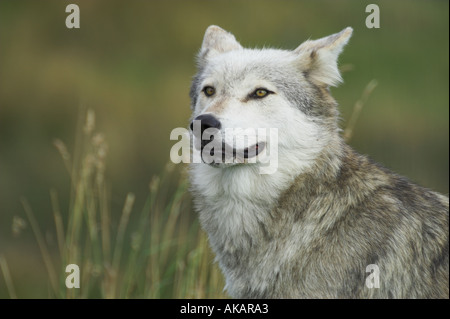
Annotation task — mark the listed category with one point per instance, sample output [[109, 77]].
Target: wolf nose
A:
[[206, 121]]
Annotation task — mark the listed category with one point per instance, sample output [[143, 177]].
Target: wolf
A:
[[314, 227]]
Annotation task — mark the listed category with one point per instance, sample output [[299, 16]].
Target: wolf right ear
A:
[[318, 58], [216, 41]]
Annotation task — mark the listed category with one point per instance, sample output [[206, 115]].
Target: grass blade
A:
[[129, 201], [348, 132], [58, 221], [7, 276], [41, 243]]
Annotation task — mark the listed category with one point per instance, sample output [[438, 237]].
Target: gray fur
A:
[[311, 232]]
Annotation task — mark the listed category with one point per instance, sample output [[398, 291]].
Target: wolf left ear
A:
[[216, 41], [318, 58]]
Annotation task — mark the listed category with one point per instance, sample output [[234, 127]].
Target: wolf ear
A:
[[318, 58], [216, 41]]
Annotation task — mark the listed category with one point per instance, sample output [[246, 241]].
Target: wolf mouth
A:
[[227, 152], [253, 151]]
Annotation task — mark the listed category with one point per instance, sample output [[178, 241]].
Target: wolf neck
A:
[[235, 203]]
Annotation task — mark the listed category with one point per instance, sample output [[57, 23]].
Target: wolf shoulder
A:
[[365, 214]]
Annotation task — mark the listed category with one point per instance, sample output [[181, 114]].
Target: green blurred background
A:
[[132, 62]]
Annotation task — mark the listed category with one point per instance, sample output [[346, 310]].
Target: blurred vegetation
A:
[[132, 63], [160, 253]]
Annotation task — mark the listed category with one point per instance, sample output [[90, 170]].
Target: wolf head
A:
[[241, 89]]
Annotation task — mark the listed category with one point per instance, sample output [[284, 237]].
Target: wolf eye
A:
[[260, 93], [209, 90]]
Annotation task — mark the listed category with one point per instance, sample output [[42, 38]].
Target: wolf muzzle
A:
[[220, 151]]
